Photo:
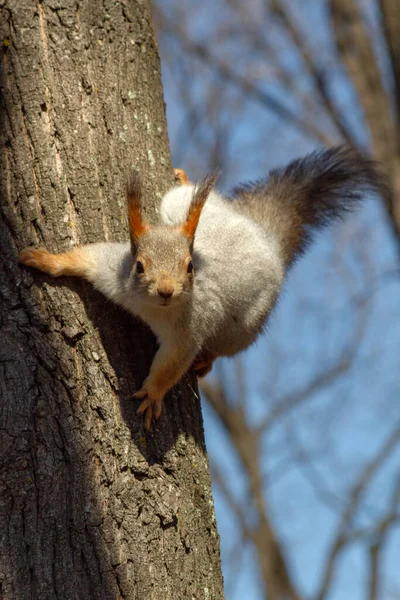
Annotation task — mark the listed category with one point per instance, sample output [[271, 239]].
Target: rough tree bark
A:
[[90, 506]]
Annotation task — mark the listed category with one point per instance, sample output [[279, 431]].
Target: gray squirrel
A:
[[206, 278]]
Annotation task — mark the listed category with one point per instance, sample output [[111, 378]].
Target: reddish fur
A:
[[75, 262], [189, 228], [136, 224], [181, 177], [199, 199], [203, 364], [134, 194]]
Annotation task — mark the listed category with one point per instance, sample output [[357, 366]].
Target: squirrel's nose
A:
[[165, 291]]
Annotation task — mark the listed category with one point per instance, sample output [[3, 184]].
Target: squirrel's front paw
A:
[[41, 259], [152, 402]]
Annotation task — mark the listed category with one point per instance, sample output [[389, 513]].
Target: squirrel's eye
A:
[[139, 267], [190, 267]]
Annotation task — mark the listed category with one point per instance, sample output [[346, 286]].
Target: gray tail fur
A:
[[295, 201]]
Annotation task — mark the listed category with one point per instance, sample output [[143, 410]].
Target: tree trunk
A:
[[90, 506]]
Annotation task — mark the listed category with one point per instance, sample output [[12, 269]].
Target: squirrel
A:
[[206, 278]]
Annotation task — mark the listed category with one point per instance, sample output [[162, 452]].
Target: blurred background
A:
[[303, 430]]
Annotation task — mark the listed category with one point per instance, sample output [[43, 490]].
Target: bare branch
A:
[[316, 73], [342, 537], [274, 568], [390, 10], [376, 547], [235, 507], [374, 552], [326, 378], [356, 51], [298, 397], [225, 71], [270, 54]]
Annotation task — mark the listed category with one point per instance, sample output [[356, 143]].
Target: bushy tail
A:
[[309, 193]]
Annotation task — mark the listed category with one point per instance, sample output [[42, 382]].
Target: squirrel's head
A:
[[163, 269]]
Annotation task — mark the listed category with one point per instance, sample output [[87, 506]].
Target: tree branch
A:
[[356, 52], [343, 537], [326, 378], [390, 10], [295, 399], [274, 568], [270, 54], [316, 73], [249, 88]]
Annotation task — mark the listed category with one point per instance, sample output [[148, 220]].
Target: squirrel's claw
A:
[[150, 407], [146, 407]]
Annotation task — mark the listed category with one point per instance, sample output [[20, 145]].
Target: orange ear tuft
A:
[[190, 226], [134, 194], [200, 196]]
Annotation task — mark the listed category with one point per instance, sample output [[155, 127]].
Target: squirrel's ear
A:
[[201, 193], [137, 226]]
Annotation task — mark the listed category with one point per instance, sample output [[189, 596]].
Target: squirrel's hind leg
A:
[[203, 363]]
